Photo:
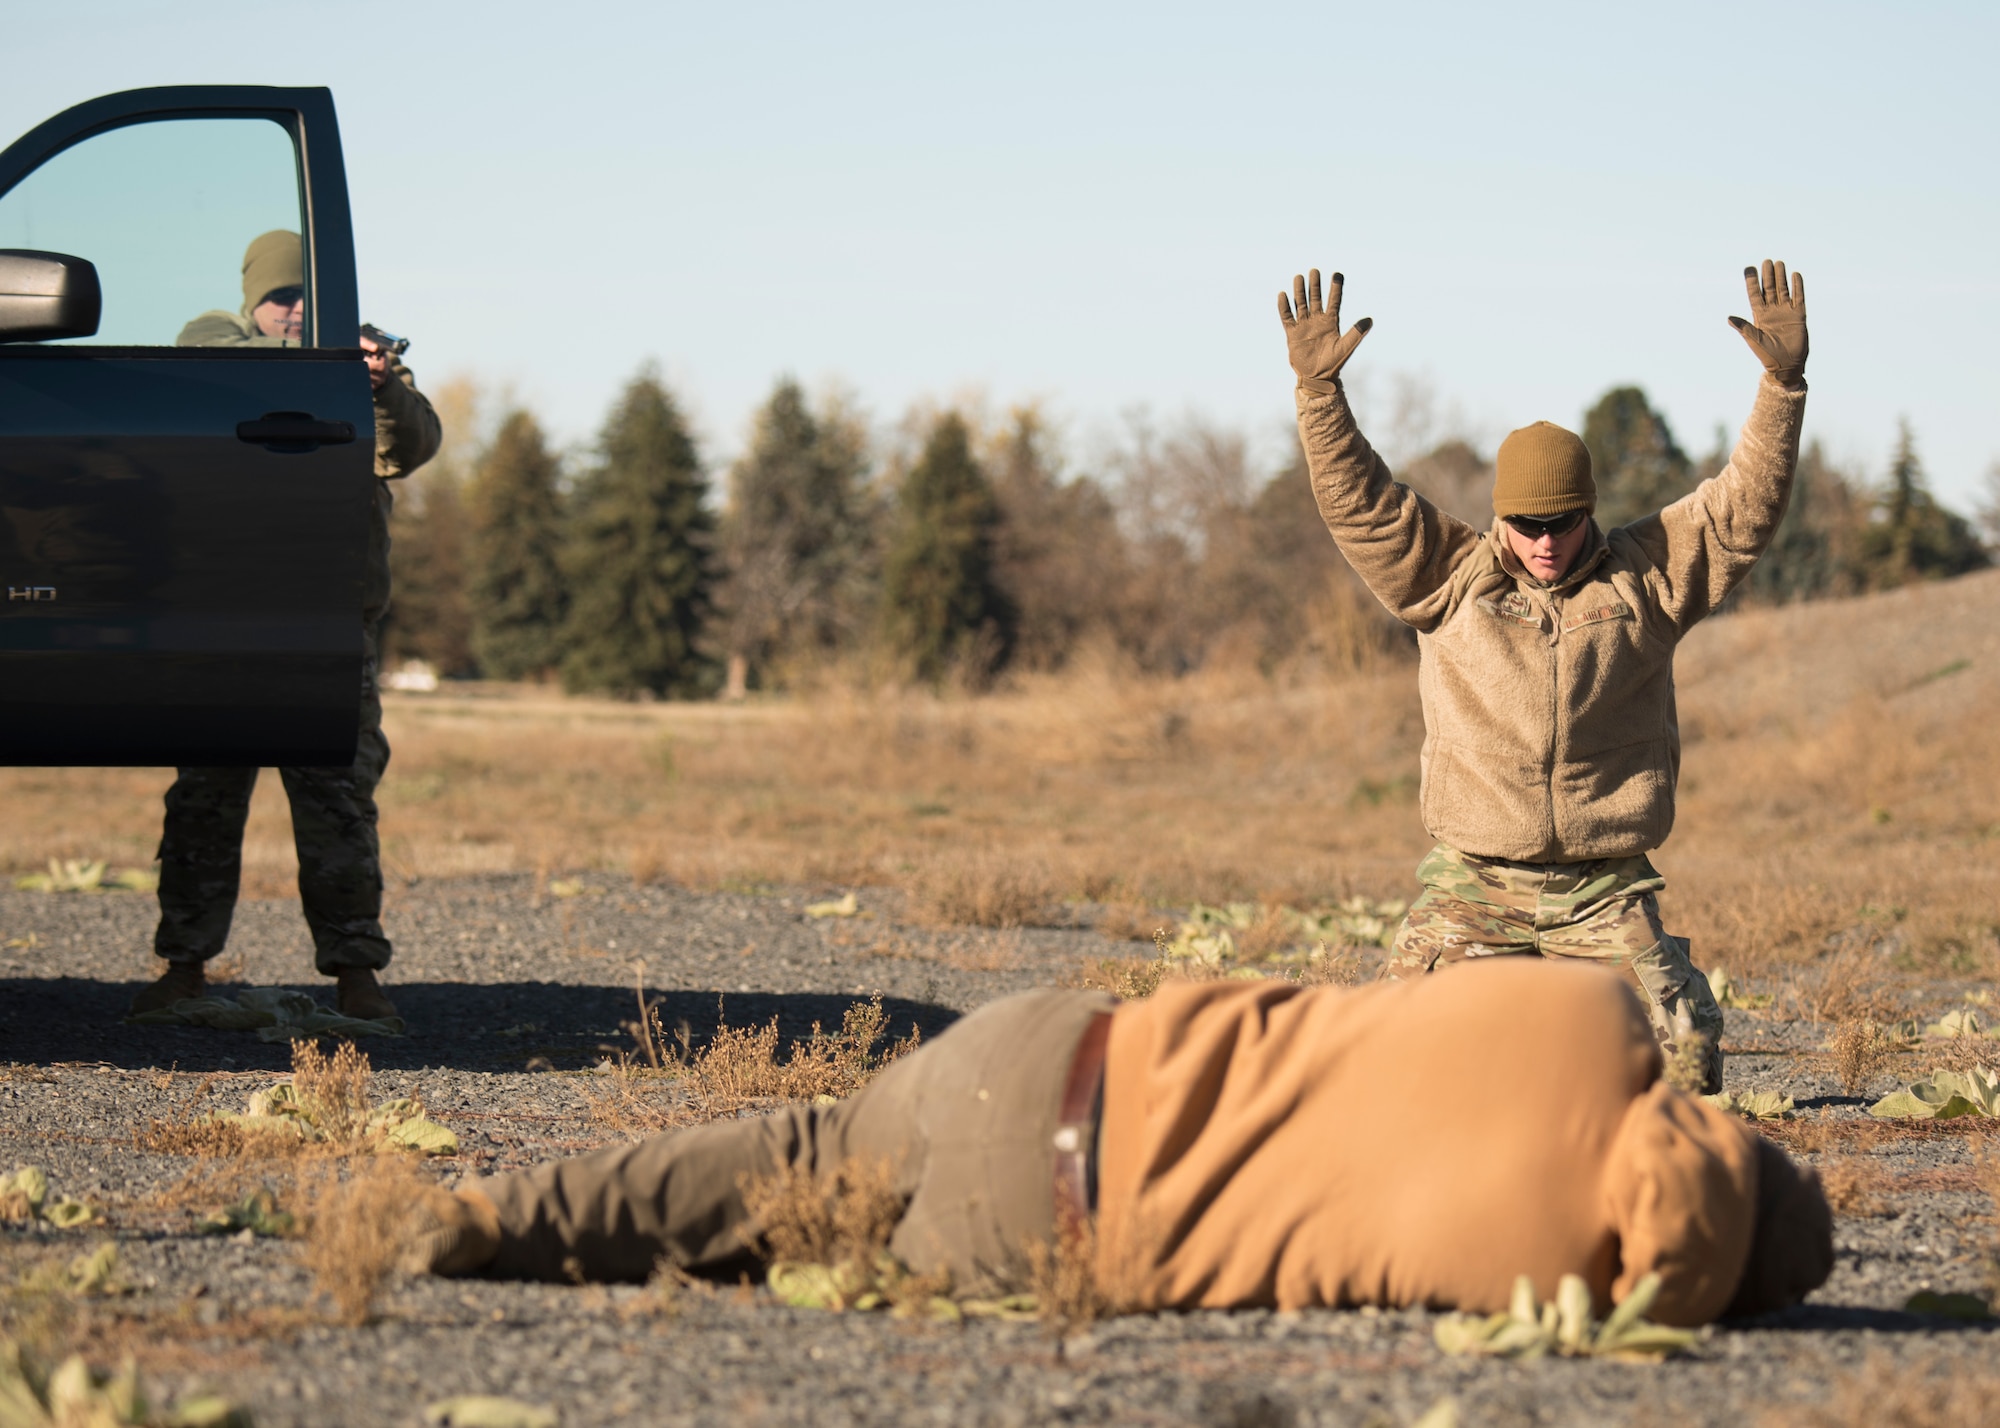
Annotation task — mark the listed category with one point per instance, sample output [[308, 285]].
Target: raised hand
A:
[[1776, 330], [1319, 349]]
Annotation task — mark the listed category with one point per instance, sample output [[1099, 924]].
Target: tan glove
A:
[[1776, 330], [1319, 349]]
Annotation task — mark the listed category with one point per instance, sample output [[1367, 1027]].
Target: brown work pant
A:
[[969, 1122]]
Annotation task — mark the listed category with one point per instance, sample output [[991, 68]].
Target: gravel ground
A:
[[511, 995]]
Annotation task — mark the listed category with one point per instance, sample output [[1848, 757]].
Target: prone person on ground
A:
[[333, 809], [1552, 747], [1237, 1144]]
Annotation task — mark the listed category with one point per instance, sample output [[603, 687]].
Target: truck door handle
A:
[[294, 432]]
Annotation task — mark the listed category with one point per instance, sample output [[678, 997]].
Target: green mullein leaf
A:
[[1754, 1105], [1945, 1096], [256, 1212], [485, 1410], [1948, 1306], [1531, 1331]]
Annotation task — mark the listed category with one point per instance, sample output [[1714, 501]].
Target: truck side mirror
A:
[[47, 295]]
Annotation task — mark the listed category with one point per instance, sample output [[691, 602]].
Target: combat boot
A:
[[358, 994], [178, 983]]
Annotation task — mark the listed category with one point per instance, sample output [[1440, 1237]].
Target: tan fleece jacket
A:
[[1551, 731], [1400, 1144]]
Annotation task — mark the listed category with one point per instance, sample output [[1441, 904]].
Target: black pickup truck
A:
[[182, 528]]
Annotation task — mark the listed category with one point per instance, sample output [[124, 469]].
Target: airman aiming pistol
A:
[[387, 342]]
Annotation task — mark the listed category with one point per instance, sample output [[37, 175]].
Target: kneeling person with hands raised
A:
[[1552, 747]]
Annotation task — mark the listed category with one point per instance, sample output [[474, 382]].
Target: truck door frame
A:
[[333, 308]]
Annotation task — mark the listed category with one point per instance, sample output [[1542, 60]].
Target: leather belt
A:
[[1076, 1126]]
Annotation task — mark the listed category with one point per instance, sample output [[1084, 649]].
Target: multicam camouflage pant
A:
[[333, 829], [1606, 911]]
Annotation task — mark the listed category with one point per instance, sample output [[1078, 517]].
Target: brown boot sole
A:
[[170, 988], [365, 1001]]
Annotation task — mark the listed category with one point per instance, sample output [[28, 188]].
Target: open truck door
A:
[[182, 528]]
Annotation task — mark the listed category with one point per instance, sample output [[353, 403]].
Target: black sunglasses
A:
[[283, 297], [1535, 527]]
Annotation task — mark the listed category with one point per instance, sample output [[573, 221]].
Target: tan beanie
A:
[[1542, 470], [272, 261]]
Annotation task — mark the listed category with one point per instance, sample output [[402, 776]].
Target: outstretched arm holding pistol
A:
[[407, 433]]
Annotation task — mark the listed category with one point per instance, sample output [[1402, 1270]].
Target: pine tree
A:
[[1058, 555], [430, 612], [1634, 459], [1812, 555], [640, 556], [795, 535], [1911, 537], [518, 591], [1989, 508], [942, 607]]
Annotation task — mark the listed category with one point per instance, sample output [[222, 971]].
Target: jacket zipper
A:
[[1555, 714]]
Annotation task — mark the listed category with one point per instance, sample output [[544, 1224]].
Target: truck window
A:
[[168, 211]]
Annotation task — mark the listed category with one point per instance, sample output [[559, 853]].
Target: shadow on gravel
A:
[[1841, 1318], [474, 1027], [1818, 1103]]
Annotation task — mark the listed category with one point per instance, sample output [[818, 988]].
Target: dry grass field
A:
[[1839, 795]]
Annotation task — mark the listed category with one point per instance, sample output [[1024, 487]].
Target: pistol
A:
[[388, 342]]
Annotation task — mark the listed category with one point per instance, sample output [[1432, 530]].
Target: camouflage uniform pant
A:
[[333, 829], [1606, 911]]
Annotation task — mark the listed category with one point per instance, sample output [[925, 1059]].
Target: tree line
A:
[[962, 546]]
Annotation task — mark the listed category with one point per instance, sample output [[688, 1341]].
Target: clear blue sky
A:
[[1095, 204]]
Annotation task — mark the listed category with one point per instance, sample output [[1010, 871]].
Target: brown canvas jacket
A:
[[1550, 728], [1400, 1144]]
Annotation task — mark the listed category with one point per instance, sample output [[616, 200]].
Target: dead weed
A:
[[201, 1136], [1130, 978], [1860, 1051], [1817, 1135], [1986, 1170], [217, 1181], [1849, 988], [1272, 931], [1331, 967], [1063, 1273], [1962, 1051], [333, 1090], [358, 1227], [741, 1065], [1886, 1394], [35, 1310], [661, 1085], [331, 1095], [625, 1098], [827, 1239], [1127, 978], [984, 888], [647, 864], [1130, 922], [1687, 1068], [1075, 1283], [846, 1216], [1853, 1186]]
